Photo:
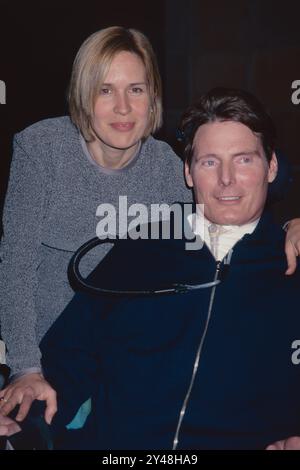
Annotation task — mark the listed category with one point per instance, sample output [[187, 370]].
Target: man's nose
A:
[[122, 103], [227, 174]]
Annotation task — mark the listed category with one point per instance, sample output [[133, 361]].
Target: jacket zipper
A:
[[197, 359]]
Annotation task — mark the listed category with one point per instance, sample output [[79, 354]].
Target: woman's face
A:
[[122, 108]]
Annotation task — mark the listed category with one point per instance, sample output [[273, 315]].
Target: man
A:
[[214, 367]]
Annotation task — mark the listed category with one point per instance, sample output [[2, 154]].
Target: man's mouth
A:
[[229, 198]]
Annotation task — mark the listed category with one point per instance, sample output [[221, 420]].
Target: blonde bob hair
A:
[[91, 65]]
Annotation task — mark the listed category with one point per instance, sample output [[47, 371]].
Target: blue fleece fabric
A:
[[135, 356]]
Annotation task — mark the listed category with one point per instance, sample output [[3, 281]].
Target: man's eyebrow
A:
[[207, 155], [237, 154], [247, 152]]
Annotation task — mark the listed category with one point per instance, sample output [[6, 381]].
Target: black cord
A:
[[81, 282]]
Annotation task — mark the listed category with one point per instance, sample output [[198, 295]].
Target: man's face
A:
[[229, 172]]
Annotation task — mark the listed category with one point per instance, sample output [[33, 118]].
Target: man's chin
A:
[[229, 219]]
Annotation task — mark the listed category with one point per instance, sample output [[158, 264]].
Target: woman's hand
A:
[[291, 443], [292, 245], [8, 426], [23, 391]]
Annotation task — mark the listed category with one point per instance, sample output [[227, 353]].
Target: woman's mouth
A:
[[122, 126]]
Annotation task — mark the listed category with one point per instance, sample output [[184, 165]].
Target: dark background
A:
[[250, 44]]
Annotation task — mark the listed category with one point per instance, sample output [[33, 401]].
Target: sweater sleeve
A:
[[19, 253]]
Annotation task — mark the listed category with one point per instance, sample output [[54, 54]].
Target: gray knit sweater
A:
[[50, 210]]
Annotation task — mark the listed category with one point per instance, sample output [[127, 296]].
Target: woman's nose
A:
[[122, 103]]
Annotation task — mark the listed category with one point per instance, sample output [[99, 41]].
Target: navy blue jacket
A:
[[135, 356]]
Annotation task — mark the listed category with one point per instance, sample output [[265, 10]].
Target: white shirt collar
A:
[[228, 236]]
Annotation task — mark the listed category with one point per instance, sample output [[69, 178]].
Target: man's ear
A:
[[188, 177], [273, 168]]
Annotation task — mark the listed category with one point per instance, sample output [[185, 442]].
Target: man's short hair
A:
[[91, 65], [228, 104]]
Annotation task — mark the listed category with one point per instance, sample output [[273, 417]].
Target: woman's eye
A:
[[136, 90], [105, 91]]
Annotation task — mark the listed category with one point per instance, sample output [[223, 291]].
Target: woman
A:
[[62, 169]]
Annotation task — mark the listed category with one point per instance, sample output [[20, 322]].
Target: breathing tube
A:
[[74, 272]]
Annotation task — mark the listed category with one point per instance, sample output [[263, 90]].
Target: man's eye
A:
[[245, 159], [208, 163]]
